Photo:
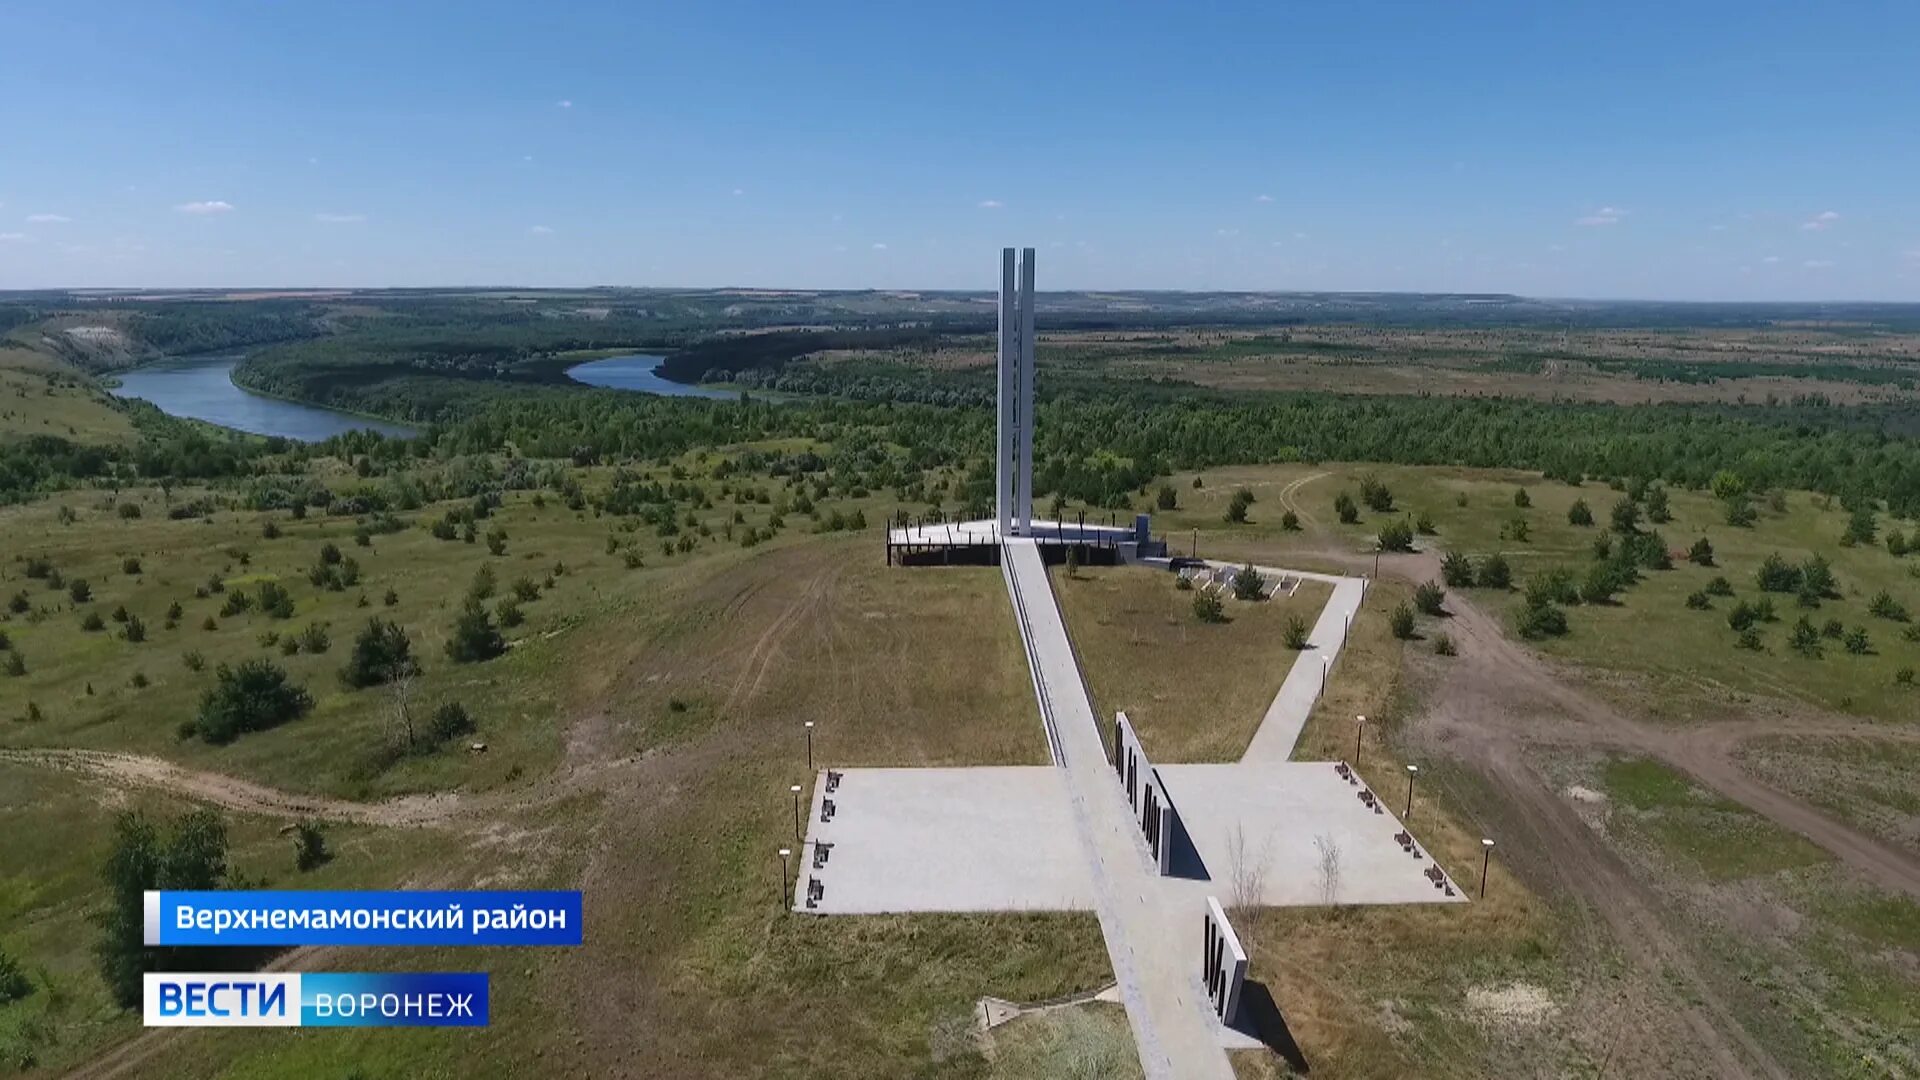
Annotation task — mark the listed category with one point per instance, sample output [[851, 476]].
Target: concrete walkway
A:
[[1151, 927], [1287, 715]]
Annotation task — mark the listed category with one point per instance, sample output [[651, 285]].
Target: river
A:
[[641, 374], [202, 388]]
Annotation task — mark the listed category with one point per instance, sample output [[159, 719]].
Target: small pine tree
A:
[[1401, 620]]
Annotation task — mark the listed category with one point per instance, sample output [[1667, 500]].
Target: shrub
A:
[[129, 511], [1430, 598], [1401, 620], [1521, 499], [382, 653], [1168, 499], [1457, 571], [496, 541], [1698, 601], [1443, 646], [5, 641], [1182, 583], [1539, 621], [1494, 573], [509, 613], [1861, 527], [1884, 606], [1603, 580], [1857, 642], [92, 622], [1656, 499], [269, 530], [1375, 494], [1208, 608], [1554, 585], [1719, 586], [1701, 553], [19, 603], [130, 566], [1579, 513], [525, 590], [16, 665], [1777, 575], [1625, 517], [14, 983], [1804, 638], [1295, 634], [1903, 677], [1249, 584], [474, 637], [1763, 609], [194, 661], [309, 846], [1344, 506], [1423, 524], [120, 613], [315, 640], [1396, 536], [135, 631], [450, 721], [1290, 522], [273, 599], [79, 590], [1898, 544], [252, 697], [484, 583], [1816, 577], [392, 598], [1518, 530], [1238, 504], [1749, 639]]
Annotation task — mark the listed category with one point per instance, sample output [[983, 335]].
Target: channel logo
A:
[[324, 999]]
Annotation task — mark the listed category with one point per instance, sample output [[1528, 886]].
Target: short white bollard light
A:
[[797, 834], [785, 902], [1486, 856], [1359, 728], [809, 746], [1412, 771]]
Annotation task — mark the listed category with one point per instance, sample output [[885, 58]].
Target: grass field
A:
[[1865, 782], [1687, 660], [1195, 691], [39, 398]]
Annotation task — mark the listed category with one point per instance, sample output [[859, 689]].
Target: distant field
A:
[[1845, 366]]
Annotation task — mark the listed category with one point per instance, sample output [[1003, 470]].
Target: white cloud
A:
[[339, 219], [1226, 232], [15, 238], [739, 191], [1771, 259], [540, 230], [879, 247], [1819, 221], [563, 103], [211, 206], [1606, 215], [991, 204], [1263, 198], [1817, 264], [47, 219]]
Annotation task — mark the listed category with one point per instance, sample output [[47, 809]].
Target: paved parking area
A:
[[965, 839], [1280, 810]]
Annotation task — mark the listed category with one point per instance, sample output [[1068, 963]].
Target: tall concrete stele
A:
[[1013, 492]]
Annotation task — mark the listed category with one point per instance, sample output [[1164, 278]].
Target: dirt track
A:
[[1497, 700]]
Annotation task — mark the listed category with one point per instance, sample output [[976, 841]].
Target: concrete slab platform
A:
[[998, 838], [1281, 809]]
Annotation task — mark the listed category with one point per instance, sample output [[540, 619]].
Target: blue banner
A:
[[326, 999], [277, 917]]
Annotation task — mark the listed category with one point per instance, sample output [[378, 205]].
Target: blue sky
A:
[[1673, 150]]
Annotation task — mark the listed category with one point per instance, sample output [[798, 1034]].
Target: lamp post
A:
[[1486, 856], [1376, 560], [1412, 771], [1359, 727], [1325, 666], [809, 746], [784, 901], [796, 813]]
